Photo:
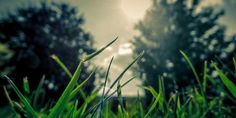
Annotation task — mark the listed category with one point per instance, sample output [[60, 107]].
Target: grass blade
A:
[[153, 105], [59, 62], [105, 84], [99, 51], [234, 61], [26, 85], [204, 76], [106, 78], [122, 73], [77, 89], [24, 100], [95, 107], [193, 69], [60, 105], [227, 82], [38, 91], [9, 99]]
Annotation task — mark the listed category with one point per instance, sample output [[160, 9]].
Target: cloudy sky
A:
[[106, 19]]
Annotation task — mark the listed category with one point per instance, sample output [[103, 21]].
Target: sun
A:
[[135, 9]]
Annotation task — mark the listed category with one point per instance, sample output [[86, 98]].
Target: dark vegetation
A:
[[182, 25], [32, 35]]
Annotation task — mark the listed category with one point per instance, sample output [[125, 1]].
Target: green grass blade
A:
[[141, 109], [95, 107], [156, 101], [38, 91], [106, 112], [24, 100], [151, 90], [105, 84], [213, 82], [99, 51], [204, 76], [76, 90], [124, 71], [153, 106], [75, 109], [26, 85], [162, 101], [9, 99], [61, 64], [234, 61], [193, 69], [227, 82], [116, 80], [60, 105], [106, 78]]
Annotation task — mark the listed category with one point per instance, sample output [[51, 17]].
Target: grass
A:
[[192, 103]]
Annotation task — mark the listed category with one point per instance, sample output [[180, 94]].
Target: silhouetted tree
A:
[[34, 34], [173, 25]]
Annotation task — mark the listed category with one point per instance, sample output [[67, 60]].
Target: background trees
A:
[[34, 33], [173, 25]]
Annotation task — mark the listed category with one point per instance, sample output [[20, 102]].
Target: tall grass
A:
[[194, 102]]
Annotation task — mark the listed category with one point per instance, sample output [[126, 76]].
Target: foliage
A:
[[173, 25], [34, 33]]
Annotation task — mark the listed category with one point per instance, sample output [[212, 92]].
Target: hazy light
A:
[[125, 49], [135, 9]]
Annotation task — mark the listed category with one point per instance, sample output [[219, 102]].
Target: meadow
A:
[[194, 102]]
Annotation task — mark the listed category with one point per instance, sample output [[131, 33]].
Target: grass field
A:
[[192, 103]]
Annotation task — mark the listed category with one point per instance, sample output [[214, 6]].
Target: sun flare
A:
[[135, 9]]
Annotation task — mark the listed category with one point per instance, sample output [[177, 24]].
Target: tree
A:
[[173, 25], [34, 33]]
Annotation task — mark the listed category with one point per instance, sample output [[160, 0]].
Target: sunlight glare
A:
[[135, 9]]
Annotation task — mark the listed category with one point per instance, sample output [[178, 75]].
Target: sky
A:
[[107, 19]]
